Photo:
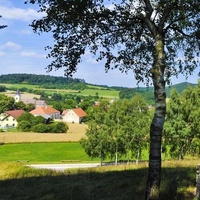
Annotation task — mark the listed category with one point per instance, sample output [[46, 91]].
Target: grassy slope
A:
[[102, 92], [104, 183]]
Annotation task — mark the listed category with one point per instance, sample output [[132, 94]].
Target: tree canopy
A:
[[123, 32]]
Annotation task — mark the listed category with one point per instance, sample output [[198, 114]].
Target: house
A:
[[75, 115], [8, 119], [46, 112]]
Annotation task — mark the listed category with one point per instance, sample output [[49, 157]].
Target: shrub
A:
[[40, 128], [58, 127], [24, 126]]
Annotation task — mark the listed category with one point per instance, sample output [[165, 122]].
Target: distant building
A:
[[37, 103], [46, 112], [17, 96], [75, 115], [8, 119]]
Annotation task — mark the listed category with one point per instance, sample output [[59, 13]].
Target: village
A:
[[8, 119]]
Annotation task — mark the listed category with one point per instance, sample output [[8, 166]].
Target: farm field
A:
[[74, 134], [87, 92]]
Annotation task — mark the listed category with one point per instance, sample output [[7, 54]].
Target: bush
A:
[[24, 126], [58, 127], [40, 128]]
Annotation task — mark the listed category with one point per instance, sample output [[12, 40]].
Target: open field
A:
[[87, 92], [44, 152], [24, 95], [74, 134]]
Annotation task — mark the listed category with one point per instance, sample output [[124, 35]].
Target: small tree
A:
[[96, 141]]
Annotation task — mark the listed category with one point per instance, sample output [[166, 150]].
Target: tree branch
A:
[[180, 31], [149, 9], [166, 14], [176, 20]]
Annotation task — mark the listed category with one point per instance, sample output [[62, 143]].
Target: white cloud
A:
[[26, 32], [92, 61], [2, 53], [32, 54], [13, 13], [11, 45]]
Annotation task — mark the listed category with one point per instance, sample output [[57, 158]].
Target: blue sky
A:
[[22, 51]]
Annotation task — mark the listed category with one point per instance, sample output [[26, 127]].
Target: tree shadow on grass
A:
[[91, 185]]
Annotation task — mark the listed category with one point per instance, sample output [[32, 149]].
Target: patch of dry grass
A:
[[74, 134]]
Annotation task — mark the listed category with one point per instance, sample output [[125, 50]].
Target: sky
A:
[[22, 51]]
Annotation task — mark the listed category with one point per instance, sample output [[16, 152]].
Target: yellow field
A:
[[74, 134]]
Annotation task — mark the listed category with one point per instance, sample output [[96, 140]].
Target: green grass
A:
[[48, 152], [101, 93], [103, 183], [87, 92], [43, 152]]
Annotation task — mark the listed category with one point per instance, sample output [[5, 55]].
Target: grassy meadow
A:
[[109, 94], [43, 152], [123, 182]]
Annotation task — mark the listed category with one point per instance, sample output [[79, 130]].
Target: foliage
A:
[[182, 128], [24, 125], [118, 129], [57, 127], [39, 128], [27, 122], [148, 92], [176, 130], [45, 81], [2, 88], [6, 103]]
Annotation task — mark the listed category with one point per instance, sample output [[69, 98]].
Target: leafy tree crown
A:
[[123, 33]]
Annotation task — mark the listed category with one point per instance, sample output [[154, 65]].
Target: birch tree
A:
[[154, 40]]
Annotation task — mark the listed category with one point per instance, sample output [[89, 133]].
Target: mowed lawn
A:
[[43, 153], [44, 147]]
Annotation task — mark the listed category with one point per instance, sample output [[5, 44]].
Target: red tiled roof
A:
[[80, 112], [15, 113], [44, 110], [65, 112]]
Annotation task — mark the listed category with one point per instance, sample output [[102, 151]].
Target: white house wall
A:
[[8, 122], [71, 117]]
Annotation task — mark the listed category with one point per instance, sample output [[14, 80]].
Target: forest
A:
[[44, 81]]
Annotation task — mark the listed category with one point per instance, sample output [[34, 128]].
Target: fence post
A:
[[198, 182]]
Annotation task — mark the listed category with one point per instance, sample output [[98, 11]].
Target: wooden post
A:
[[198, 182]]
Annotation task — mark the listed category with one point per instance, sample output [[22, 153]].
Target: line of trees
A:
[[45, 81], [181, 135], [120, 130]]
